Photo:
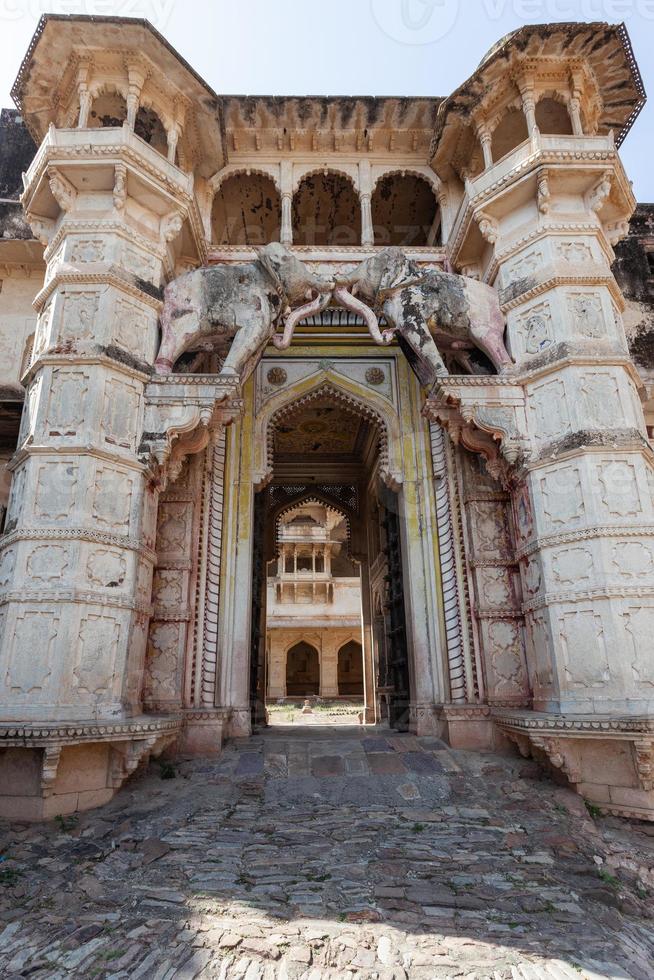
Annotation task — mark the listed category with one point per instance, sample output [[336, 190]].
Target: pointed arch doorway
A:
[[326, 453]]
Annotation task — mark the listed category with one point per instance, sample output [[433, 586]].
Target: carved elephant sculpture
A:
[[243, 304], [423, 308]]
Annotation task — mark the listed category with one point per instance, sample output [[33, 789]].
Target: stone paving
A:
[[331, 853]]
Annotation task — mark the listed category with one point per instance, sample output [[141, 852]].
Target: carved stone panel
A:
[[120, 414], [31, 650], [540, 650], [79, 315], [619, 488], [490, 527], [572, 565], [174, 528], [549, 412], [639, 624], [587, 316], [139, 263], [56, 487], [505, 664], [98, 642], [67, 405], [600, 400], [47, 563], [535, 329], [7, 565], [86, 250], [162, 663], [633, 559], [112, 499], [583, 645], [16, 498], [106, 568], [496, 588], [168, 587], [132, 329], [563, 502]]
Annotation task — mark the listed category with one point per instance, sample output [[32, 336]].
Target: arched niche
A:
[[246, 210], [326, 210], [362, 401], [149, 127], [553, 118], [302, 670], [405, 211], [108, 109], [510, 132]]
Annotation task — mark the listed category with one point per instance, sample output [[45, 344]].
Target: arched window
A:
[[510, 132], [350, 669], [326, 211], [405, 211], [150, 128], [107, 109], [553, 118], [302, 671], [246, 211]]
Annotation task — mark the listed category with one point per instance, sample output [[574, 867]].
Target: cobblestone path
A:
[[331, 854]]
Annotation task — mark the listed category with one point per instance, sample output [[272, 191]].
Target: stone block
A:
[[82, 768]]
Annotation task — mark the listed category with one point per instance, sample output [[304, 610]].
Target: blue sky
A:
[[349, 47]]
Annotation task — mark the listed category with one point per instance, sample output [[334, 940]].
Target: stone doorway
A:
[[302, 671], [322, 544]]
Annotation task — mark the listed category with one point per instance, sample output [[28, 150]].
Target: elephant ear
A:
[[269, 267], [398, 270]]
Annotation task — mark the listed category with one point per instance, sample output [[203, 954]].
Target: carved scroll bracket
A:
[[181, 411], [486, 415]]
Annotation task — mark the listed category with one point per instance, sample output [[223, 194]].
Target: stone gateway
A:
[[358, 411]]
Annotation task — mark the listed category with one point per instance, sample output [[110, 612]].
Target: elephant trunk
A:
[[315, 305], [347, 300]]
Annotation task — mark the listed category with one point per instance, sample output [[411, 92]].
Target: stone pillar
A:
[[486, 139], [286, 181], [83, 508], [369, 700], [78, 549], [329, 665], [578, 465], [526, 87], [365, 193], [276, 667]]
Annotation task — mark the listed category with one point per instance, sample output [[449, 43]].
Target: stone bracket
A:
[[484, 414], [180, 412], [127, 756], [561, 738]]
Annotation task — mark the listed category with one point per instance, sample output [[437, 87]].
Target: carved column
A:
[[570, 422], [81, 525], [365, 192], [286, 181]]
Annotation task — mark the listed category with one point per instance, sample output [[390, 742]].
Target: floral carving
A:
[[277, 376], [375, 376]]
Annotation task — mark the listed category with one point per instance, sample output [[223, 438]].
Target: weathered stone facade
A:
[[498, 490]]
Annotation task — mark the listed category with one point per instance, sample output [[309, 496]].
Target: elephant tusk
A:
[[315, 306], [347, 300]]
